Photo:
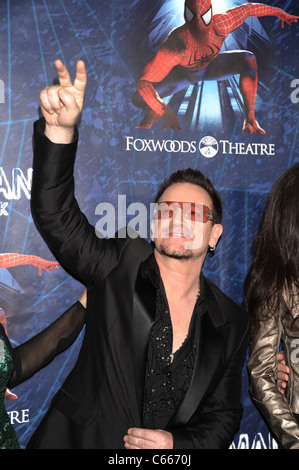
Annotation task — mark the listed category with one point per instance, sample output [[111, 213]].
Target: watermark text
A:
[[160, 220], [295, 93]]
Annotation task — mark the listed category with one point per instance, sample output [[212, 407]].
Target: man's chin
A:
[[179, 256], [175, 253]]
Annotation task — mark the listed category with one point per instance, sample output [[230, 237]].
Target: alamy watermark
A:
[[295, 93], [294, 99], [163, 220]]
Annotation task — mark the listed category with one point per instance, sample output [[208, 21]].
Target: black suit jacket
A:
[[102, 396]]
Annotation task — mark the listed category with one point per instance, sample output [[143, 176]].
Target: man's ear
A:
[[216, 233]]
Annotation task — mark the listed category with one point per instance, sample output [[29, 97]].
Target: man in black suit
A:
[[161, 361]]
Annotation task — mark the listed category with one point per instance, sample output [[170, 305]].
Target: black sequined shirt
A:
[[166, 379]]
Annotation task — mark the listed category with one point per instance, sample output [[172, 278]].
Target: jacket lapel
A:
[[144, 309], [212, 340]]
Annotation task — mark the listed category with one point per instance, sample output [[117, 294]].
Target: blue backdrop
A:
[[115, 39]]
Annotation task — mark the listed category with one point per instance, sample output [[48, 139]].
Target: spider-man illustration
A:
[[191, 53], [9, 260]]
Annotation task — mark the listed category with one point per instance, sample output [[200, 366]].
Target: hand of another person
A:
[[62, 104], [282, 372], [138, 438]]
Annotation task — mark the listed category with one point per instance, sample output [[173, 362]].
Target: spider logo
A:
[[204, 54]]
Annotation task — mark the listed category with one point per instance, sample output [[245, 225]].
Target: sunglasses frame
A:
[[207, 213]]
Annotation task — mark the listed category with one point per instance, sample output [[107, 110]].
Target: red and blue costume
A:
[[191, 53]]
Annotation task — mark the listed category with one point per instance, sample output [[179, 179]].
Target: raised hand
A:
[[62, 104]]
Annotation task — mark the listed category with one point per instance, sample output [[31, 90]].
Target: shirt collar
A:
[[150, 269]]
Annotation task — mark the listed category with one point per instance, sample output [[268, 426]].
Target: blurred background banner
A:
[[115, 158]]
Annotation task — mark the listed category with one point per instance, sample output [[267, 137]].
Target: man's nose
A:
[[177, 216]]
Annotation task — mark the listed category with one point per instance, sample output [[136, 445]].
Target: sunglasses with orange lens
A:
[[194, 211]]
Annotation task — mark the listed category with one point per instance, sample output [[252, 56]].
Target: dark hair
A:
[[275, 266], [194, 177]]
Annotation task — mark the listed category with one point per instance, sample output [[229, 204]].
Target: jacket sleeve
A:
[[214, 425], [263, 386], [55, 210], [42, 348]]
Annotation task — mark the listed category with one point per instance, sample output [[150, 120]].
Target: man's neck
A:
[[180, 277]]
